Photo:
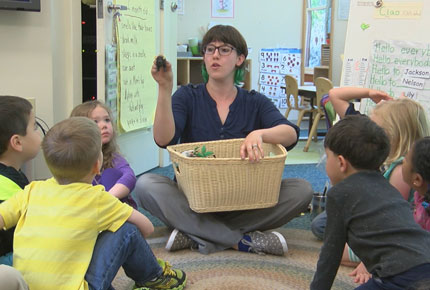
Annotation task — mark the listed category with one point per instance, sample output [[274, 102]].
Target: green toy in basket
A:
[[197, 153]]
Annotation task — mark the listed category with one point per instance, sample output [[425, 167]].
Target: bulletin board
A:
[[387, 48]]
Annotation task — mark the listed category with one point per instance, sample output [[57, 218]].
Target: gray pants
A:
[[218, 231], [11, 279]]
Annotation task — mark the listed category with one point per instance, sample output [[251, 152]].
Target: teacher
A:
[[220, 109]]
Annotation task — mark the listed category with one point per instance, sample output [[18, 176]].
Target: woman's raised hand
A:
[[162, 73]]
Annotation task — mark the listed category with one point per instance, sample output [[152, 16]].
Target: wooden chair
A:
[[292, 89], [323, 86]]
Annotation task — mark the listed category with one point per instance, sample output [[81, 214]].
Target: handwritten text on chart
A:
[[399, 10], [136, 41], [401, 67]]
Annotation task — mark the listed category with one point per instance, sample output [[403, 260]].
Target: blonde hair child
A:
[[403, 120], [116, 174], [80, 234]]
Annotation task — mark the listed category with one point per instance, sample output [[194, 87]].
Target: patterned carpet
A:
[[236, 270]]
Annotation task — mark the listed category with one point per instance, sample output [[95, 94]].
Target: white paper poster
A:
[[275, 63], [400, 67]]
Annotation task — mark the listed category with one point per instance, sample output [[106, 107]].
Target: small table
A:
[[310, 93]]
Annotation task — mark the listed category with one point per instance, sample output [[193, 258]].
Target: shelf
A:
[[189, 70]]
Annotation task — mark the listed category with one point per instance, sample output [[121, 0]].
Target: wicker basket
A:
[[227, 183]]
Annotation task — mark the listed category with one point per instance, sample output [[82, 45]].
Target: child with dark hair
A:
[[366, 211], [19, 143], [73, 235], [416, 173]]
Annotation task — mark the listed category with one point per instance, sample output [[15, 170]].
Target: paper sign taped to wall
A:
[[136, 46], [399, 10]]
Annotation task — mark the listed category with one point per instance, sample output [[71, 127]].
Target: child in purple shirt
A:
[[117, 176]]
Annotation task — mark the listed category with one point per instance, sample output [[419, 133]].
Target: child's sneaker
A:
[[170, 279], [178, 241], [272, 243]]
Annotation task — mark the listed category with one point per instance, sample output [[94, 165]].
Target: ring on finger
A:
[[254, 146]]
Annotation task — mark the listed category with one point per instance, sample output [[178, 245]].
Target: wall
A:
[[338, 42], [262, 25], [40, 59]]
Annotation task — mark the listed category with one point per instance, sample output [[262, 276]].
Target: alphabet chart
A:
[[275, 63]]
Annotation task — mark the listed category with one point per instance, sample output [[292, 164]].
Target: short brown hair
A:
[[360, 141], [14, 117], [227, 34], [71, 148]]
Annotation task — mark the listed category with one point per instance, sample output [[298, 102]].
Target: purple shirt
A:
[[421, 215], [121, 173]]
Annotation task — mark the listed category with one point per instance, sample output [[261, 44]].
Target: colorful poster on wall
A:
[[275, 63], [400, 68], [222, 8], [136, 50]]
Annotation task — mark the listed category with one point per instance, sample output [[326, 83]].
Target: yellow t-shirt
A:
[[56, 230]]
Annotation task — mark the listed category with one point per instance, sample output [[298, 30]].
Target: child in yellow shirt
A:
[[72, 235]]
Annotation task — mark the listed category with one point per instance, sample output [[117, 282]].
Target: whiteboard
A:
[[387, 48]]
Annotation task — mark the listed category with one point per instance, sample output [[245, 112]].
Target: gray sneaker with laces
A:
[[272, 243], [179, 241]]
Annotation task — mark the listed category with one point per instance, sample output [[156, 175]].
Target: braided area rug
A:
[[235, 270]]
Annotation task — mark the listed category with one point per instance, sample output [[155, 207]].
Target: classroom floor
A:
[[316, 149], [314, 154]]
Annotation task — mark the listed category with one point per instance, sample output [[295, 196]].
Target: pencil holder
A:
[[317, 204]]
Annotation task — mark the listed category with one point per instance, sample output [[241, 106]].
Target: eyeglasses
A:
[[222, 50]]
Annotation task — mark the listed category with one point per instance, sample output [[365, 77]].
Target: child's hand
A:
[[360, 274], [378, 96]]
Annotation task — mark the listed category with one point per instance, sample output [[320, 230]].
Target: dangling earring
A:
[[205, 74], [239, 75]]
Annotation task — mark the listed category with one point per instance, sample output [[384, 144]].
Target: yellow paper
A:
[[136, 51], [399, 10]]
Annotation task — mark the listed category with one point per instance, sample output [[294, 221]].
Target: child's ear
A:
[[15, 143], [343, 163], [96, 167], [417, 180]]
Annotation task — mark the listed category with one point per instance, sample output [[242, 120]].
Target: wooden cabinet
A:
[[321, 71], [189, 70]]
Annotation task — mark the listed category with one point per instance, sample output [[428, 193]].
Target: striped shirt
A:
[[56, 230]]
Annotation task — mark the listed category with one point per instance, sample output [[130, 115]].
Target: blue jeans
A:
[[318, 225], [127, 248], [417, 277], [7, 259]]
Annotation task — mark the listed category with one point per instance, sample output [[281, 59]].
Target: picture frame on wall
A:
[[222, 8]]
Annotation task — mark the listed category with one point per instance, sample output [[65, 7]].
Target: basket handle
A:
[[176, 168]]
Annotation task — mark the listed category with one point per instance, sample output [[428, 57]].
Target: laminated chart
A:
[[275, 63]]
